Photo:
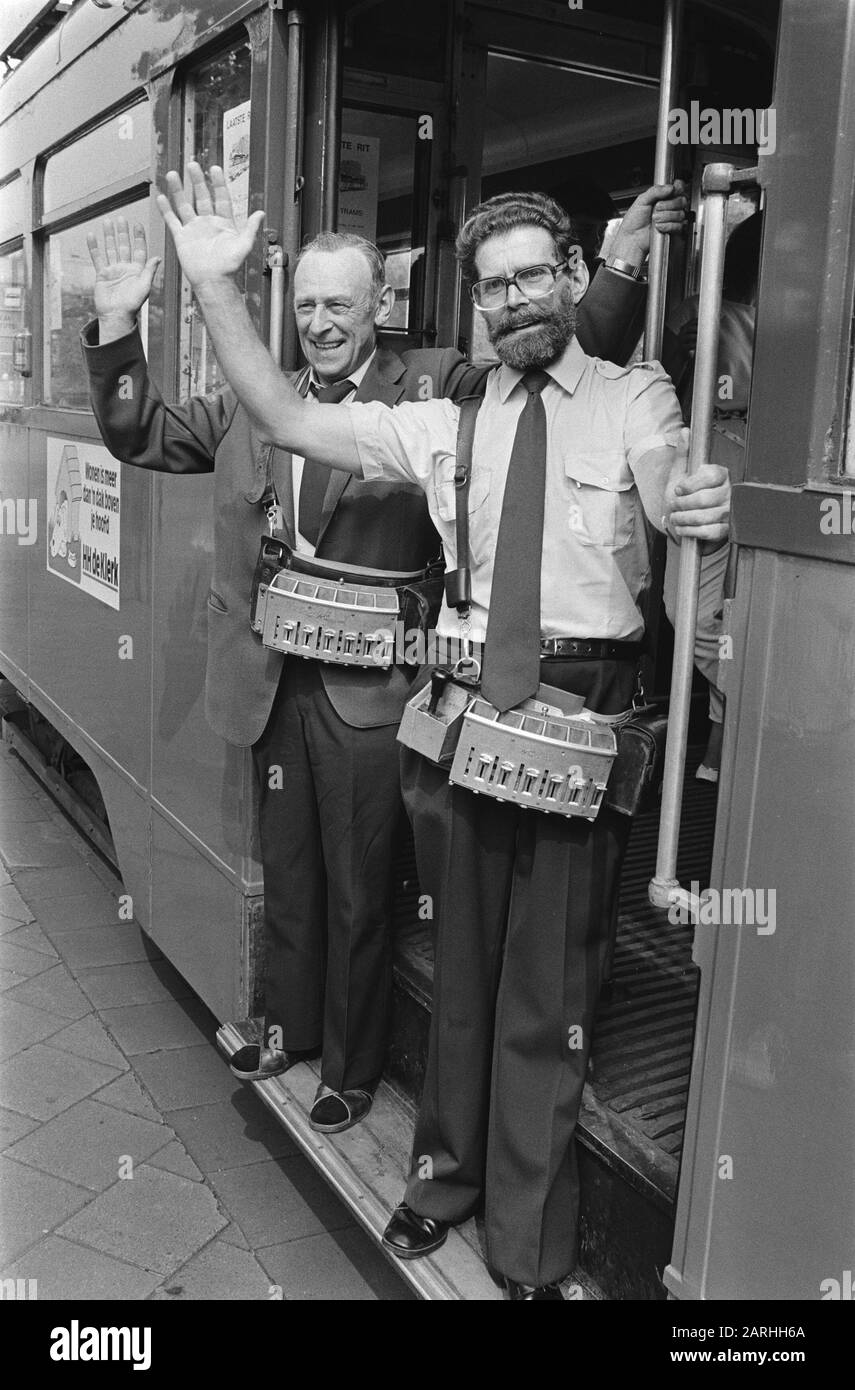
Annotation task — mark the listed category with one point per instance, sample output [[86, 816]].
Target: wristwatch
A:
[[635, 272]]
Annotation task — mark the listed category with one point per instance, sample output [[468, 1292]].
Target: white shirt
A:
[[303, 546], [603, 425]]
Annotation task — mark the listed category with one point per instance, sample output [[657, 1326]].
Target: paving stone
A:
[[233, 1235], [142, 982], [21, 961], [278, 1201], [126, 1093], [21, 1026], [189, 1076], [20, 807], [89, 1038], [55, 990], [13, 909], [71, 1272], [31, 938], [343, 1267], [13, 1127], [231, 1133], [33, 1203], [86, 1143], [169, 1024], [95, 946], [8, 980], [157, 1220], [175, 1159], [42, 1082], [39, 844], [5, 877], [40, 885], [220, 1271], [96, 909]]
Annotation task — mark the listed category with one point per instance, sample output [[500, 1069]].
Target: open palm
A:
[[209, 243], [124, 272]]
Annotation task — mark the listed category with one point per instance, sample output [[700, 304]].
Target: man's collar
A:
[[566, 371], [356, 376]]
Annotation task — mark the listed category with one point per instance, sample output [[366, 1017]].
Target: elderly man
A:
[[329, 814]]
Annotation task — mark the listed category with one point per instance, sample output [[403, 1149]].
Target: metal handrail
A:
[[718, 179], [663, 170]]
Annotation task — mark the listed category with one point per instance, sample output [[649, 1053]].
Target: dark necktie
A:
[[313, 486], [512, 647]]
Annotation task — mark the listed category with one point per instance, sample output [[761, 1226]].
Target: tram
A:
[[717, 1138]]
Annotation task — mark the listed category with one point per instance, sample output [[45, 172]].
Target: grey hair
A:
[[349, 241], [508, 210]]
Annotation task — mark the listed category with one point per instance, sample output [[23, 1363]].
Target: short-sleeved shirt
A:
[[603, 424]]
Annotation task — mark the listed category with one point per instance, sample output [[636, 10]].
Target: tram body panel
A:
[[767, 1193]]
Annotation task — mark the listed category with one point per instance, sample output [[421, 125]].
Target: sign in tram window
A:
[[13, 320], [216, 131], [12, 208], [68, 305], [116, 150], [376, 199]]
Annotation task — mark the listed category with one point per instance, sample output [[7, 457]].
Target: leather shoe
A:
[[256, 1063], [528, 1293], [334, 1111], [410, 1236]]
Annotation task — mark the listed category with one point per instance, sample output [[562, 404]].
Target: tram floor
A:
[[634, 1107]]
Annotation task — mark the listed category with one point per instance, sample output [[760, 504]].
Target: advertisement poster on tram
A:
[[359, 176], [84, 517]]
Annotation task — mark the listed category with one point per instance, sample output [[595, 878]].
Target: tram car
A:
[[717, 1136]]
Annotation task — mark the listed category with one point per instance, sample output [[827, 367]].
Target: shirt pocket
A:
[[445, 494], [600, 498]]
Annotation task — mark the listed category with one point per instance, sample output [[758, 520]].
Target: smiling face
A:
[[530, 333], [338, 311]]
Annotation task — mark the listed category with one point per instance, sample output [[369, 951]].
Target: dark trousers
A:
[[329, 811], [523, 905]]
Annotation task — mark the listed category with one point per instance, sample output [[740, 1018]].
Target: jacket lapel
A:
[[384, 381], [282, 464]]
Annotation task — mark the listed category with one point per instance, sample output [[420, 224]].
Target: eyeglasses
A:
[[535, 282]]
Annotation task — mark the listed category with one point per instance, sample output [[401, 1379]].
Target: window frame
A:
[[7, 248], [118, 193]]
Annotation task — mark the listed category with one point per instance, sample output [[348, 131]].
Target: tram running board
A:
[[367, 1168]]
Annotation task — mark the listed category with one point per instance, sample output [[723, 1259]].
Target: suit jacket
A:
[[376, 524]]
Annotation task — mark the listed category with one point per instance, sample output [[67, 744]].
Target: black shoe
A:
[[334, 1111], [527, 1293], [409, 1235], [255, 1063]]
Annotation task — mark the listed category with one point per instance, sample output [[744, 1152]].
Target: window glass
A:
[[13, 319], [216, 131], [377, 179], [12, 209], [69, 278], [115, 150]]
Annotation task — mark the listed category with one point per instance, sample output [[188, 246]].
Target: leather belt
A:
[[591, 648]]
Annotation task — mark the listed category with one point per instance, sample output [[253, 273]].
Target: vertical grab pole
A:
[[657, 274], [716, 188]]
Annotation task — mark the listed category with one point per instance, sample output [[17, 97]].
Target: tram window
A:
[[380, 171], [116, 150], [11, 208], [216, 131], [68, 284], [13, 319]]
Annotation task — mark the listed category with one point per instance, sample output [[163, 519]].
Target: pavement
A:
[[132, 1164]]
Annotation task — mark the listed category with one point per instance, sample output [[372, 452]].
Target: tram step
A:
[[367, 1168]]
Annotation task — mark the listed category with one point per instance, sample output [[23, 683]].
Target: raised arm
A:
[[211, 248]]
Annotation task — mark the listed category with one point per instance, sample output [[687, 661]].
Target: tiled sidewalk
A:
[[132, 1164]]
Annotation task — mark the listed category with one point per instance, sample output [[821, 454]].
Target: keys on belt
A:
[[590, 648]]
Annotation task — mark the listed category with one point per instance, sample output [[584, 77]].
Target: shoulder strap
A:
[[458, 584]]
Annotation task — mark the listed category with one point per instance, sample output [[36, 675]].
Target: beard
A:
[[546, 334]]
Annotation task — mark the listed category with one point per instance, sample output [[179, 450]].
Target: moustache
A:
[[510, 323]]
